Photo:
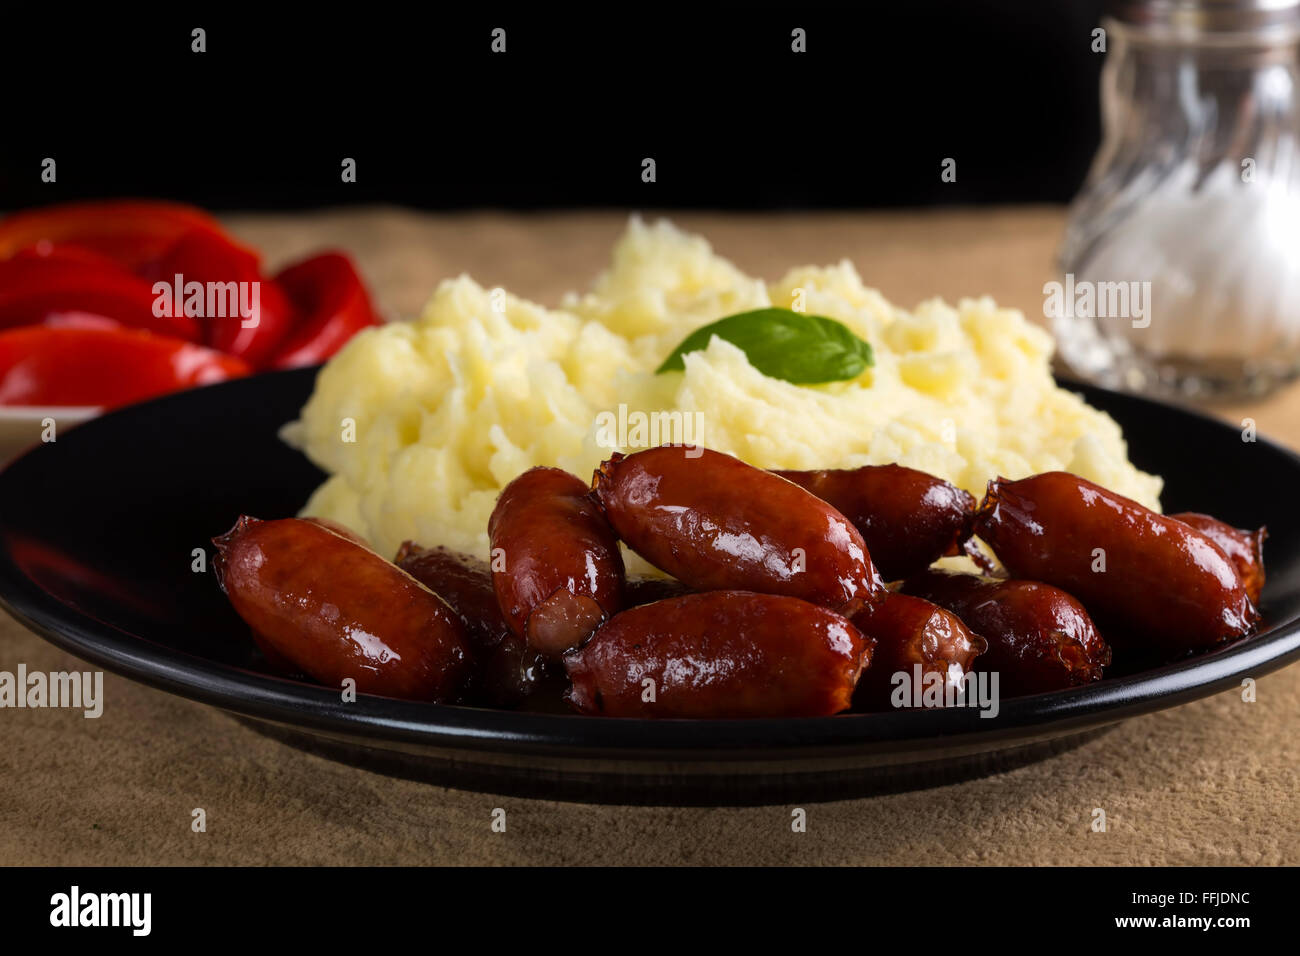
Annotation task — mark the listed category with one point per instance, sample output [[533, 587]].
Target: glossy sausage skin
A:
[[1245, 549], [907, 518], [276, 662], [343, 531], [1163, 580], [507, 669], [908, 632], [1039, 637], [338, 610], [561, 572], [719, 654], [644, 589], [716, 523]]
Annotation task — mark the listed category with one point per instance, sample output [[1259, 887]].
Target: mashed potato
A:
[[420, 424]]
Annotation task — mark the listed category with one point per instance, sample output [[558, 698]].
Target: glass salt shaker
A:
[[1180, 267]]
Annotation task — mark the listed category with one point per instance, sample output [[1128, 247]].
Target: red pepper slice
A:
[[33, 287], [334, 305], [79, 320], [205, 257], [66, 253], [103, 367], [130, 232]]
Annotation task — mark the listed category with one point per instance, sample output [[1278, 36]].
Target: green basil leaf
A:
[[794, 346]]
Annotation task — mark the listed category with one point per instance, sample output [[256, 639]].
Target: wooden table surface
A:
[[1215, 782]]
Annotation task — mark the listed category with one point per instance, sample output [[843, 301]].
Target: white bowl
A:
[[22, 426]]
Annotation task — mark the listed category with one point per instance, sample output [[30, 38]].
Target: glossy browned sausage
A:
[[915, 638], [465, 583], [719, 654], [1039, 638], [557, 569], [508, 670], [341, 530], [907, 518], [716, 523], [645, 589], [1162, 579], [276, 662], [338, 610], [1245, 549]]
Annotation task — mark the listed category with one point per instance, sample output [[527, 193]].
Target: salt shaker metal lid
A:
[[1198, 17]]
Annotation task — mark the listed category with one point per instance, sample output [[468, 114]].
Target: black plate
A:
[[97, 532]]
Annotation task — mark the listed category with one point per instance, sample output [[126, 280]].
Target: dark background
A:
[[732, 118]]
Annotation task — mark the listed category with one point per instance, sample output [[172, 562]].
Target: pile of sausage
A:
[[776, 605]]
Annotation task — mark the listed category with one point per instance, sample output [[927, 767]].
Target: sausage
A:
[[508, 670], [1163, 580], [276, 662], [1245, 549], [343, 531], [910, 632], [719, 654], [561, 571], [465, 583], [716, 523], [1039, 638], [337, 610], [646, 589], [908, 519]]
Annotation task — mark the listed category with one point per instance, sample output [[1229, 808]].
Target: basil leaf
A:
[[794, 346]]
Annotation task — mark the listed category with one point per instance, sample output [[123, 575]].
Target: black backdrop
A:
[[433, 118]]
